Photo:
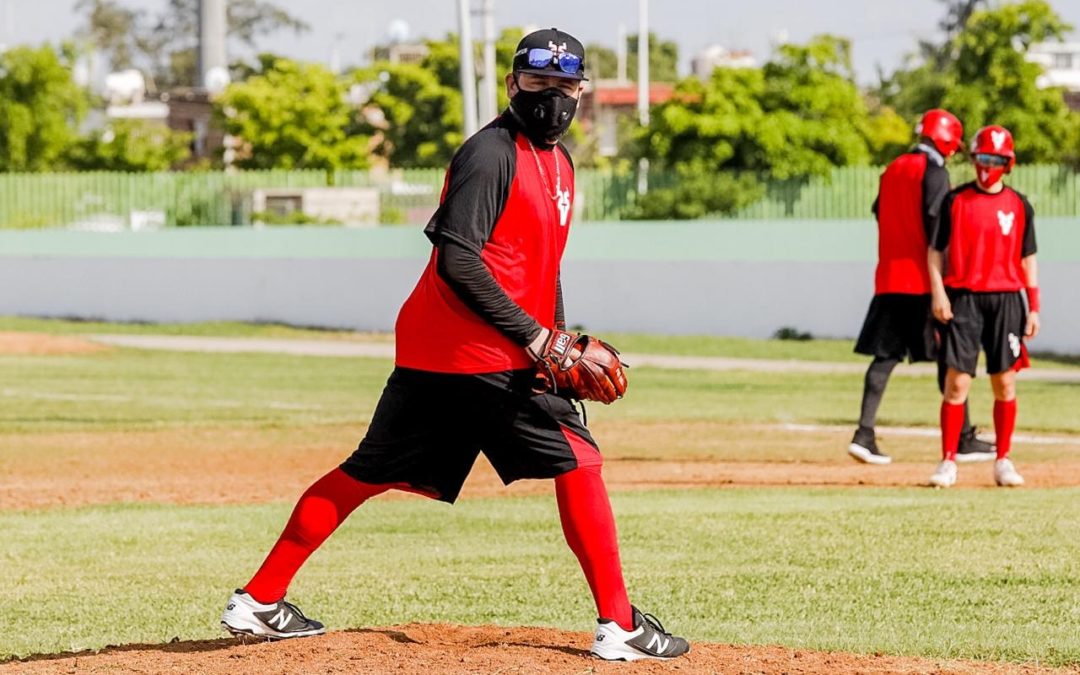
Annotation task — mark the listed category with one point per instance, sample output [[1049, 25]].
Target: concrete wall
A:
[[744, 279]]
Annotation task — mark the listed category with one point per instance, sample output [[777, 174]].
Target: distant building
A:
[[1060, 62], [605, 102], [400, 52], [716, 56]]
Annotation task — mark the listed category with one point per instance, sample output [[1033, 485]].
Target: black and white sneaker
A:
[[279, 621], [864, 448], [974, 449], [648, 640]]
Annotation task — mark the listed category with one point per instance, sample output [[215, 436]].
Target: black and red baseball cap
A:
[[550, 52]]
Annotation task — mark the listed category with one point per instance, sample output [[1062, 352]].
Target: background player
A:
[[898, 323], [982, 256], [468, 340]]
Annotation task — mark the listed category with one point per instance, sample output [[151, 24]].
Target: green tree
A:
[[443, 59], [111, 28], [603, 63], [164, 44], [292, 116], [416, 120], [40, 105], [799, 115], [984, 78], [129, 145]]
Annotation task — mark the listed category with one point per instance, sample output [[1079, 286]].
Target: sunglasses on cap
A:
[[540, 57], [986, 159]]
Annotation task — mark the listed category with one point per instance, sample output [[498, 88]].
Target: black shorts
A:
[[898, 325], [993, 321], [428, 429]]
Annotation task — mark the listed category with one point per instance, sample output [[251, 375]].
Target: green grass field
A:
[[965, 573], [858, 570]]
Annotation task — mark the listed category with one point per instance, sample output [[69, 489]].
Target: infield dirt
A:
[[267, 465], [424, 649]]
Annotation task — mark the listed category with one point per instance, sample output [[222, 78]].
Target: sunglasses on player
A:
[[986, 159], [540, 57]]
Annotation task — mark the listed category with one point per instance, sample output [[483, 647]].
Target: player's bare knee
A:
[[1004, 385], [957, 385]]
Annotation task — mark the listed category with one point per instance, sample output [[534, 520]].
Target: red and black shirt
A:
[[492, 281], [986, 235], [908, 205]]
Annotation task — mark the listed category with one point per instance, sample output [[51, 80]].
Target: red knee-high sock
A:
[[324, 506], [952, 421], [1004, 424], [589, 527]]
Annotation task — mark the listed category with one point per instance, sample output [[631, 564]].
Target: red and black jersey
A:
[[493, 277], [985, 236], [908, 205]]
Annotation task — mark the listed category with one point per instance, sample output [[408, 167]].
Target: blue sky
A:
[[882, 30]]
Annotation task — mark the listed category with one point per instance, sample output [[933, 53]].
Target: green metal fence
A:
[[113, 200]]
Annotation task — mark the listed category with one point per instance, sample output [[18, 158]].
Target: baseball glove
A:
[[581, 367]]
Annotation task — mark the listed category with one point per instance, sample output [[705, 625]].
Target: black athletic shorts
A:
[[898, 325], [993, 321], [428, 429]]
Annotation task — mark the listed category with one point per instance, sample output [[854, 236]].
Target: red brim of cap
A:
[[554, 72]]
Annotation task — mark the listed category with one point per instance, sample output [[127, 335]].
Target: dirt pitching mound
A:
[[39, 344], [425, 649]]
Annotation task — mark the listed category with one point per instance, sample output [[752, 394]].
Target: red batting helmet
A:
[[944, 129], [994, 140]]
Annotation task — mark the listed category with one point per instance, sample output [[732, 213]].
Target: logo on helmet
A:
[[998, 139]]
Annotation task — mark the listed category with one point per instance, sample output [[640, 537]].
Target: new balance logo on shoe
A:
[[658, 644], [281, 619]]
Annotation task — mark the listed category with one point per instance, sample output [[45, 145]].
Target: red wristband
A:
[[1034, 303]]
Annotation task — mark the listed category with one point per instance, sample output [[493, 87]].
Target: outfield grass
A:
[[830, 350], [140, 389], [973, 574]]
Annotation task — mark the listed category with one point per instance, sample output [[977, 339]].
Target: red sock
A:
[[1004, 424], [589, 527], [325, 505], [952, 421]]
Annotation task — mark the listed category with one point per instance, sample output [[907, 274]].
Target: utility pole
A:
[[643, 62], [643, 87], [468, 70], [620, 54], [489, 101], [213, 62]]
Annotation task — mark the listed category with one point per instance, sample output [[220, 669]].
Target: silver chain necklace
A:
[[543, 174]]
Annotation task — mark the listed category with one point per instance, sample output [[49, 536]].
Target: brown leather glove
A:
[[581, 367]]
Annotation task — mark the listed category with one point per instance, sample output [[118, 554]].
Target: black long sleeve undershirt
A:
[[467, 275]]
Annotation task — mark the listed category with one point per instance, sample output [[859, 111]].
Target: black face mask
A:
[[546, 114]]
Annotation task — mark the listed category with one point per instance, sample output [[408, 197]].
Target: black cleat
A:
[[864, 448], [974, 449]]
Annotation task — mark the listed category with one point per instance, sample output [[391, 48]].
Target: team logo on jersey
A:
[[1005, 222], [1014, 345], [564, 206], [997, 138]]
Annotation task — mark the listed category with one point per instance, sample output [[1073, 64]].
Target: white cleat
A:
[[1006, 475], [648, 640], [279, 621], [945, 475]]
